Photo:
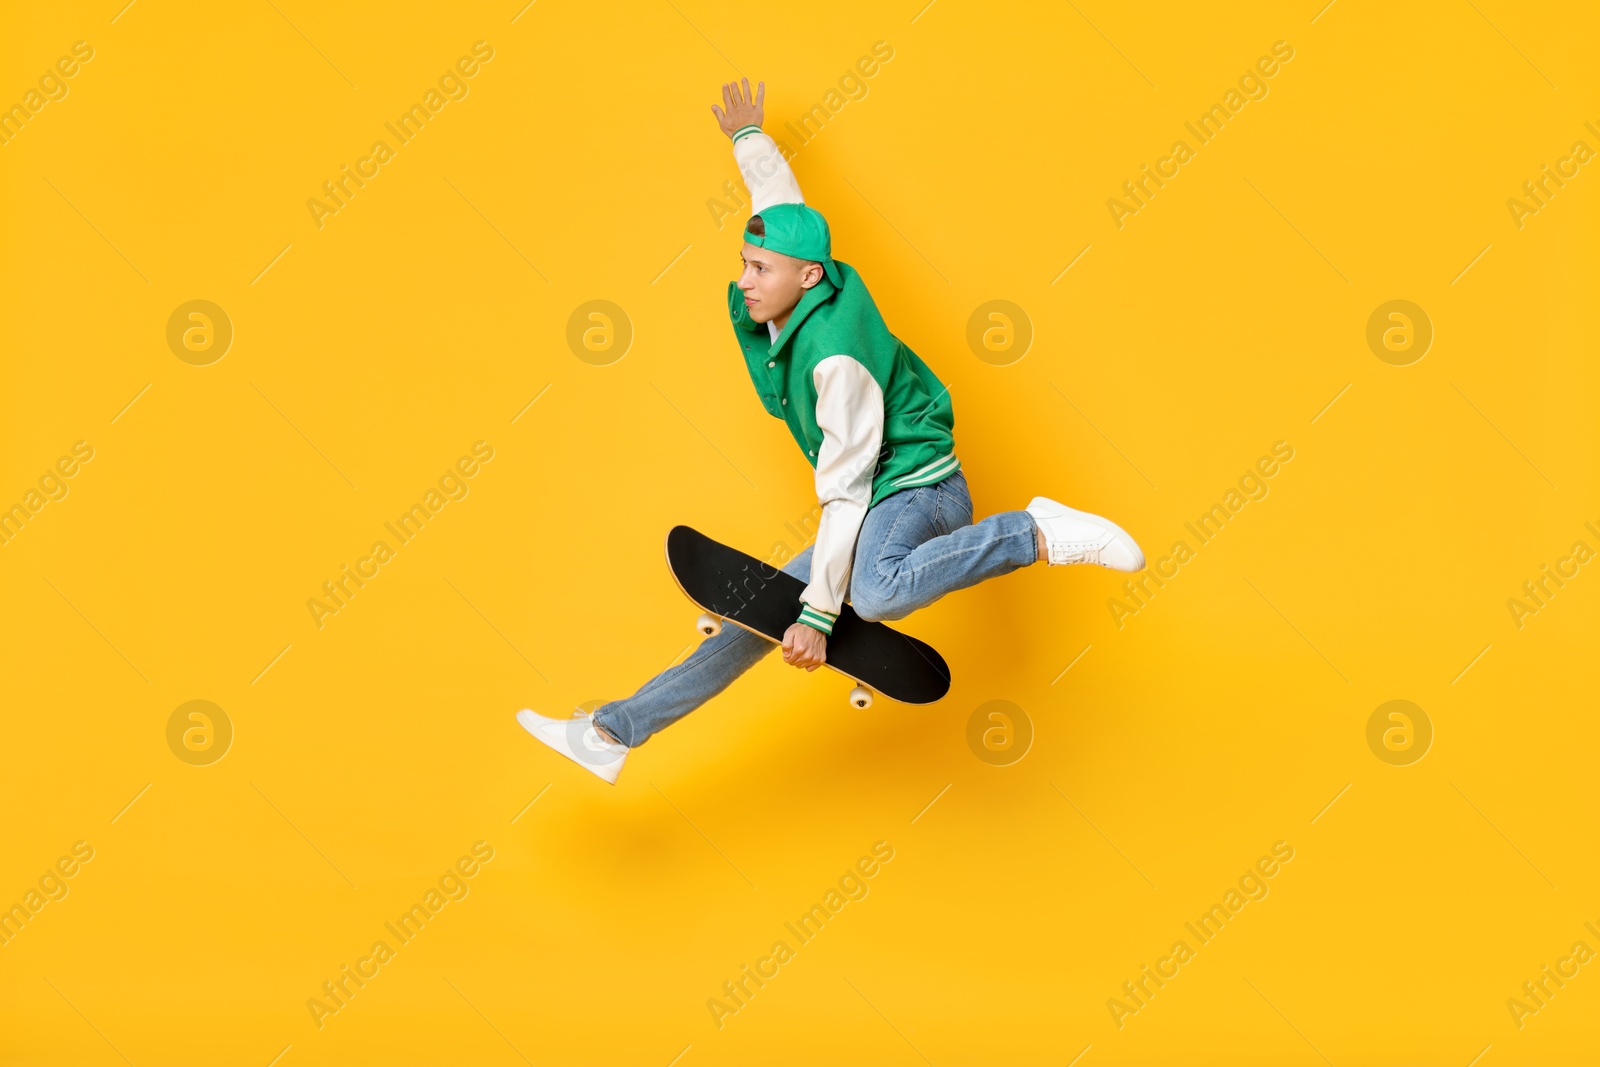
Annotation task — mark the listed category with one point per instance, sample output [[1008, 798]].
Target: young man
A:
[[896, 530]]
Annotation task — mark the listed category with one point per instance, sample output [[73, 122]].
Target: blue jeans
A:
[[914, 547]]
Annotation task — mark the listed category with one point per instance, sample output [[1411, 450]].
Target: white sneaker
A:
[[1073, 536], [578, 740]]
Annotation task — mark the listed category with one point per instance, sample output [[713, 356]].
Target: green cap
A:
[[800, 231]]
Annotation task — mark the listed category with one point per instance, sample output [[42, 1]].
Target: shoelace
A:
[[1061, 554]]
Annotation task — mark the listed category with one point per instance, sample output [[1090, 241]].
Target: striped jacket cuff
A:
[[743, 130], [816, 618]]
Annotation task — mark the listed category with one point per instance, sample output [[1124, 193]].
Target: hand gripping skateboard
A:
[[730, 585]]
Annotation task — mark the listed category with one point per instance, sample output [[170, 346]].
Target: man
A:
[[896, 530]]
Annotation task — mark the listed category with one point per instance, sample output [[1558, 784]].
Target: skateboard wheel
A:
[[708, 624], [861, 697]]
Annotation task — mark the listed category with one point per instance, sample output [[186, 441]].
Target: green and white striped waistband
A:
[[931, 472]]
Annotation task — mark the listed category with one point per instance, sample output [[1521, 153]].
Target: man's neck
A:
[[783, 320]]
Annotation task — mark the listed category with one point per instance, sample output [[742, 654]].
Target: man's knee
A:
[[873, 610], [871, 602]]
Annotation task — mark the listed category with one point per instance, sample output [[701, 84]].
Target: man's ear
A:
[[810, 275]]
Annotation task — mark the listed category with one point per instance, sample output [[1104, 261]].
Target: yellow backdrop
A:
[[1307, 292]]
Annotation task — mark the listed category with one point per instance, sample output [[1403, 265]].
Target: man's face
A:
[[773, 283]]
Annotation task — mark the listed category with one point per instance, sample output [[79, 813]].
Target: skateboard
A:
[[728, 584]]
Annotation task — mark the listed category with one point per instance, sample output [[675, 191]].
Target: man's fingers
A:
[[739, 92]]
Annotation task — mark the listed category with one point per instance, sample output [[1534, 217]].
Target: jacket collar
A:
[[818, 294]]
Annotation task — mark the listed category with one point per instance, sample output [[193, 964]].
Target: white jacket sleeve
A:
[[766, 172], [850, 416]]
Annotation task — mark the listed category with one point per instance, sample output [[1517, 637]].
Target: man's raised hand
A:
[[742, 110]]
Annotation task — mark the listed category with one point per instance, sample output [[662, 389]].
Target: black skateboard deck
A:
[[731, 585]]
